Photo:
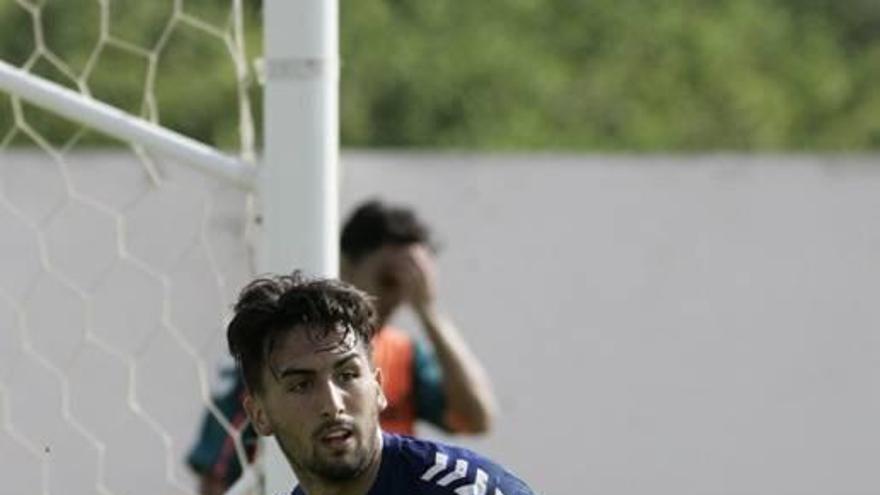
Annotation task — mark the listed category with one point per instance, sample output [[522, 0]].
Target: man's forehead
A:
[[391, 251], [302, 343]]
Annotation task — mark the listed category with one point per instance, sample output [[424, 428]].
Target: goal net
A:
[[119, 259]]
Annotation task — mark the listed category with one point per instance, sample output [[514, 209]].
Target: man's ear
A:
[[257, 414], [380, 393]]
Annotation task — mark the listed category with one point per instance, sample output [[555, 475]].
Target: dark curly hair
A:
[[270, 306], [375, 224]]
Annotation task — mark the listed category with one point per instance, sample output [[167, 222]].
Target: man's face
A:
[[321, 399], [381, 274]]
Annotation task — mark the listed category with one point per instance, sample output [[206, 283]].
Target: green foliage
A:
[[17, 39], [195, 86], [646, 75], [612, 74], [139, 23]]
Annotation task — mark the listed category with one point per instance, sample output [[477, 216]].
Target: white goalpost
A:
[[118, 268], [302, 76]]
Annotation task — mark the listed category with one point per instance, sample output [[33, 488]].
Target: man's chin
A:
[[340, 470], [344, 462]]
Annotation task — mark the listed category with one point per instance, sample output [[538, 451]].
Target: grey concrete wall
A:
[[663, 325]]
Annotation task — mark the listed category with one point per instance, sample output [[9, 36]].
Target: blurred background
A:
[[579, 75], [659, 220]]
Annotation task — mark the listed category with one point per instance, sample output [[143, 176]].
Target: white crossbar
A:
[[121, 125]]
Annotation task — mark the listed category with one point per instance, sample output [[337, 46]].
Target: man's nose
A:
[[332, 400]]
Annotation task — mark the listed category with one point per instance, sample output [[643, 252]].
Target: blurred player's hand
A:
[[416, 274], [395, 275]]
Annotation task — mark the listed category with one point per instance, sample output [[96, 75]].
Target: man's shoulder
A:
[[437, 468]]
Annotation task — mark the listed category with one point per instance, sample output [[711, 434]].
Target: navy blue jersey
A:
[[412, 466]]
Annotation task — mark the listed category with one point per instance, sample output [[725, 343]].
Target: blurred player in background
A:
[[386, 251], [304, 350]]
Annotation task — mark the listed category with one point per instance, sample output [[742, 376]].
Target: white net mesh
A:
[[117, 267]]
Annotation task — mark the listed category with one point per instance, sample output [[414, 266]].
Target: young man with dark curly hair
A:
[[303, 347], [387, 252]]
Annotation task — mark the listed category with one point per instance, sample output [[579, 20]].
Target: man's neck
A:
[[361, 485]]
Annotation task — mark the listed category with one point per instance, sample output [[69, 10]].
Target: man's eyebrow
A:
[[285, 372], [291, 371], [346, 359]]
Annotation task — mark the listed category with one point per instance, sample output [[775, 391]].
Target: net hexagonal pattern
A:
[[117, 267]]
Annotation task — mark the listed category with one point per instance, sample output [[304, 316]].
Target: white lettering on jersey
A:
[[478, 487], [461, 466], [440, 463]]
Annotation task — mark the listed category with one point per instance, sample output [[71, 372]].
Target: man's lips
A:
[[335, 433]]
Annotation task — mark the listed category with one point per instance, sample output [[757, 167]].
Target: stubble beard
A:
[[324, 466], [346, 468]]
